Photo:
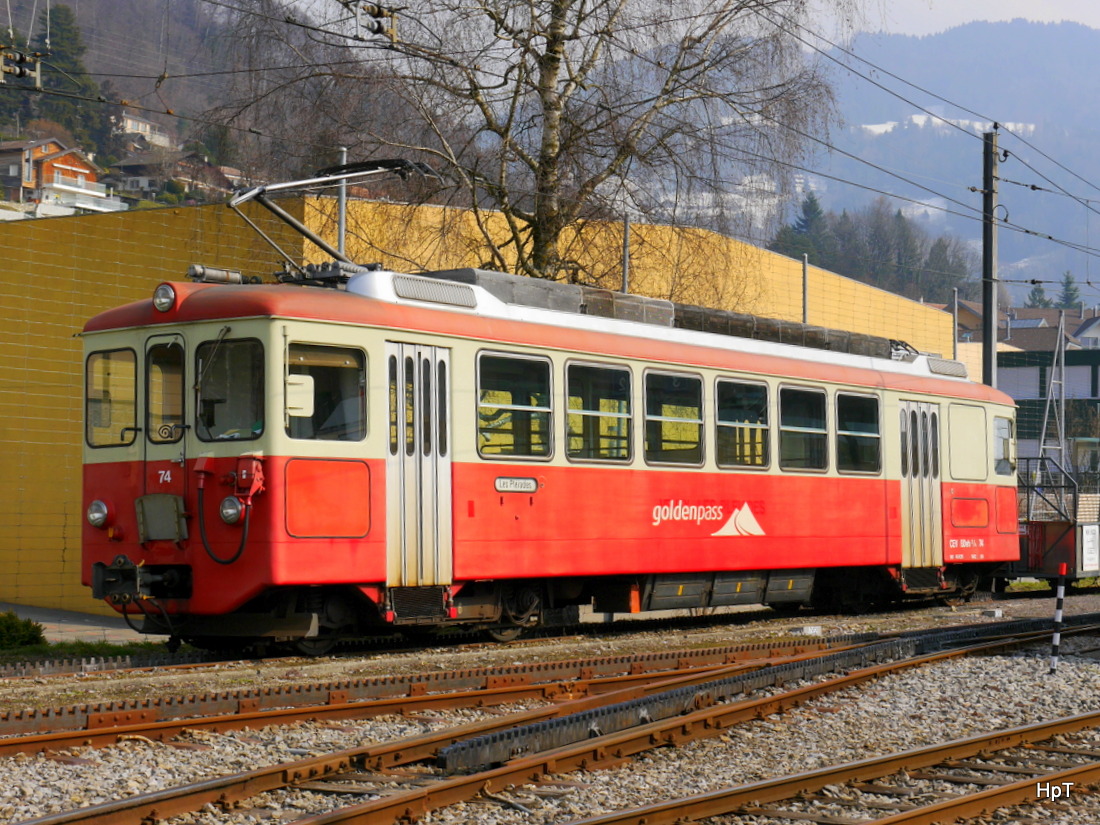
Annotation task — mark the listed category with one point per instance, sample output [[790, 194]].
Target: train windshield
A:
[[110, 398], [230, 390]]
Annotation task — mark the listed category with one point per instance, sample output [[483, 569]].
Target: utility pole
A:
[[626, 252], [989, 258], [342, 206]]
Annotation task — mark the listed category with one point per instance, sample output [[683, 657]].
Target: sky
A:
[[930, 16]]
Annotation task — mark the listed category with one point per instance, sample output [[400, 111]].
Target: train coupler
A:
[[124, 581]]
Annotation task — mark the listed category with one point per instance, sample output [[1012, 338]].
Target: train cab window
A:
[[164, 393], [230, 390], [1003, 459], [803, 437], [858, 436], [110, 398], [326, 393], [673, 418], [742, 419], [599, 423], [513, 411]]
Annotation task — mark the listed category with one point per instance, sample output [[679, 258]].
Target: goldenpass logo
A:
[[678, 511], [741, 522]]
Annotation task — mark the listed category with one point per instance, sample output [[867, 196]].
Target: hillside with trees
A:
[[878, 245]]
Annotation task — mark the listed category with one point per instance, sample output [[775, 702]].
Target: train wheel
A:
[[504, 634], [315, 646]]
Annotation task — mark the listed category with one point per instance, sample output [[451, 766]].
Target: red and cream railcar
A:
[[304, 463]]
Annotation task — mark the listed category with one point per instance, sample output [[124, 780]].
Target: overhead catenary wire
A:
[[826, 144]]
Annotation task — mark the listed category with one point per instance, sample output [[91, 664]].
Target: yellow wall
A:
[[687, 265], [57, 272]]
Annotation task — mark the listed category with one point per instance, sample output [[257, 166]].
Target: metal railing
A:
[[70, 182], [1047, 490]]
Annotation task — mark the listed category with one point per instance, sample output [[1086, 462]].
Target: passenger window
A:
[[904, 444], [393, 397], [110, 398], [742, 412], [803, 438], [1003, 459], [513, 413], [858, 440], [230, 384], [599, 422], [338, 376], [673, 419]]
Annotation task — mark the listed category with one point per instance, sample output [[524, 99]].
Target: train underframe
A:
[[312, 619]]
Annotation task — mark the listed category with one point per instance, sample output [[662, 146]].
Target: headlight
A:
[[164, 297], [230, 509], [97, 513]]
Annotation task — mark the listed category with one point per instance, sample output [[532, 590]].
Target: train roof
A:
[[447, 301]]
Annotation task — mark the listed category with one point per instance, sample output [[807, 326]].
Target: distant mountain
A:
[[1039, 81]]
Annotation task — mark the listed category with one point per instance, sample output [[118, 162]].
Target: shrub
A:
[[16, 632]]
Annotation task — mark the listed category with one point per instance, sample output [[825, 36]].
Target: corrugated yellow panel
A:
[[58, 273]]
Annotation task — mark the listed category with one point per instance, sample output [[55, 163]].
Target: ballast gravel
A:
[[949, 700], [945, 701]]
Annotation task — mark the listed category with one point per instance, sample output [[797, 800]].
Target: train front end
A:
[[219, 485]]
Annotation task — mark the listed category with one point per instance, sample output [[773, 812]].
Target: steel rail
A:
[[603, 690], [225, 790], [600, 752], [614, 749], [731, 800], [87, 717]]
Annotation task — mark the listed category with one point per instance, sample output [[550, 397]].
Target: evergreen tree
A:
[[1037, 298], [75, 102], [908, 257], [880, 246], [853, 256], [1070, 296], [809, 235], [15, 99]]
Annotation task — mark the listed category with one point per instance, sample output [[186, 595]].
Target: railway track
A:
[[400, 691], [411, 777], [936, 784]]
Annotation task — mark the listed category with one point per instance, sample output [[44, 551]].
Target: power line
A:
[[1084, 202]]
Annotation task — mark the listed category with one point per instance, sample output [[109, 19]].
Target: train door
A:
[[161, 508], [922, 534], [418, 467]]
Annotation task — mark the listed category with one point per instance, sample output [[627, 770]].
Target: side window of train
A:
[[598, 425], [673, 418], [858, 434], [230, 390], [110, 398], [803, 433], [513, 406], [904, 432], [968, 442], [1004, 463], [742, 424], [326, 393]]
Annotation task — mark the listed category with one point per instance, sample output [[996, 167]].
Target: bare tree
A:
[[543, 114]]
